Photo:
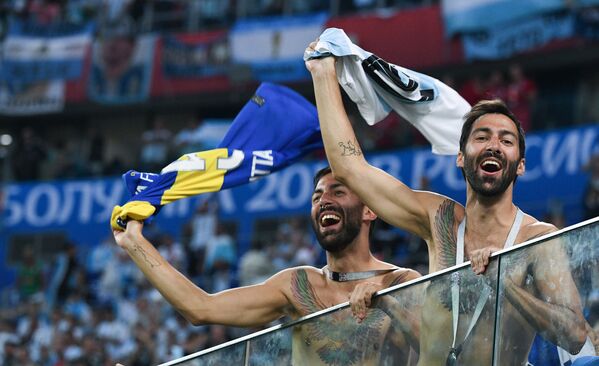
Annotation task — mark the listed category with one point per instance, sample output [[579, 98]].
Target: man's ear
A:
[[368, 214], [459, 161], [521, 167]]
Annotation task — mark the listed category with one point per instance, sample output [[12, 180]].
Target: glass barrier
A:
[[531, 297], [548, 294]]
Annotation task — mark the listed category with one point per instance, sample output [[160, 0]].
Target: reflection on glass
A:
[[231, 355], [548, 291], [540, 288], [271, 349], [458, 318], [384, 337]]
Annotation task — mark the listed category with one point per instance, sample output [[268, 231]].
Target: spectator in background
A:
[[203, 229], [495, 86], [30, 280], [521, 96], [173, 250], [209, 13], [591, 193], [255, 265], [28, 155], [472, 90], [70, 267], [188, 140], [220, 251], [95, 154], [154, 152], [555, 215]]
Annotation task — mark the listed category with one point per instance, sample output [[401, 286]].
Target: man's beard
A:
[[351, 221], [498, 185]]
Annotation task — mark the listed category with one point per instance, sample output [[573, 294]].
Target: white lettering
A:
[[52, 198], [232, 162], [553, 155], [264, 201], [532, 172], [263, 158], [69, 202], [13, 211], [423, 170], [285, 184], [186, 163]]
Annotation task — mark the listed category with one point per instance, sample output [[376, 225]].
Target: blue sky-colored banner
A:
[[121, 69], [37, 53], [516, 37], [182, 59], [474, 15], [282, 42]]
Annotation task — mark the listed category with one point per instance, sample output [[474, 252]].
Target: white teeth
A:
[[329, 216], [491, 162]]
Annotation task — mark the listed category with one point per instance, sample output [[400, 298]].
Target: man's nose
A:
[[493, 144], [325, 200]]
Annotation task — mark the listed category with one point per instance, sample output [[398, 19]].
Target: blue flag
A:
[[274, 129]]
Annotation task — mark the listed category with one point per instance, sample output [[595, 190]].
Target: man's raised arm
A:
[[244, 306], [392, 200]]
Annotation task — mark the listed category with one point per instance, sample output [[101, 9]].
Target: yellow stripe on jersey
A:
[[197, 173]]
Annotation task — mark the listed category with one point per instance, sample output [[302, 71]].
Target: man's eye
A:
[[508, 142], [315, 198], [339, 193]]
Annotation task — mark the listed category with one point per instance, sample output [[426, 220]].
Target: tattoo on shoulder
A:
[[304, 294], [146, 257], [446, 235], [400, 279], [350, 148]]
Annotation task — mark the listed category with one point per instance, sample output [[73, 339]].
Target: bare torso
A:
[[337, 338], [515, 335]]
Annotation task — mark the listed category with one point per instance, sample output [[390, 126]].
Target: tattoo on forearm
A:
[[146, 257], [350, 148]]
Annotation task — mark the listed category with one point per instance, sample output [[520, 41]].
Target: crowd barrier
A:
[[413, 322]]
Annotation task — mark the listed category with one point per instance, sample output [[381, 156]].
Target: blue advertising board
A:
[[555, 172]]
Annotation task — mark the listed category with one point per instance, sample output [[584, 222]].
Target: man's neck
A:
[[489, 214], [356, 257]]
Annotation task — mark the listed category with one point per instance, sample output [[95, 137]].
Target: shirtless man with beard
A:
[[491, 156], [342, 225]]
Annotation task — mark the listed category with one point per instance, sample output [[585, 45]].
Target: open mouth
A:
[[329, 219], [490, 166]]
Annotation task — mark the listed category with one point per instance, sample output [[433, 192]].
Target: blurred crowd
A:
[[92, 306], [180, 15], [35, 157]]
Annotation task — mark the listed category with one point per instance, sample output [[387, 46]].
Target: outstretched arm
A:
[[245, 306], [556, 313], [389, 198]]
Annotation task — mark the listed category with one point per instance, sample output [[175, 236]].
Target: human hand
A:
[[125, 239], [320, 65], [479, 259], [360, 298]]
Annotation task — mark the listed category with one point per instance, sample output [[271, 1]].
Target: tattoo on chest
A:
[[337, 338], [445, 233], [350, 148]]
